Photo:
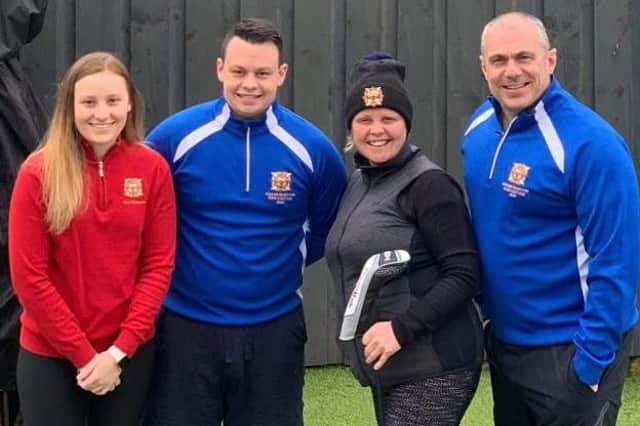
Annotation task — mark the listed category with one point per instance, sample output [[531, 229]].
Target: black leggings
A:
[[50, 396], [434, 401]]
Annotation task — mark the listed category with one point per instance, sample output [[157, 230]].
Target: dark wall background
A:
[[171, 46]]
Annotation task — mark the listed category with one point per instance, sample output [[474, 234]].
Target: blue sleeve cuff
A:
[[588, 369]]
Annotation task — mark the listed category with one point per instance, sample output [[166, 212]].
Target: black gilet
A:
[[370, 221]]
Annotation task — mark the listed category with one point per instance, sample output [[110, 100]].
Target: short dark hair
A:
[[254, 30]]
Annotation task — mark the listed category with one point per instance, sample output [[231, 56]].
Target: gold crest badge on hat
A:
[[133, 187], [280, 181], [372, 96], [518, 173]]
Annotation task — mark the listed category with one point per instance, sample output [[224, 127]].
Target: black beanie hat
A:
[[377, 81]]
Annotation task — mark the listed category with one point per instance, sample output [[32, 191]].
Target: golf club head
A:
[[377, 270]]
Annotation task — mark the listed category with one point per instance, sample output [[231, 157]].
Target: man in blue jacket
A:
[[257, 188], [554, 200]]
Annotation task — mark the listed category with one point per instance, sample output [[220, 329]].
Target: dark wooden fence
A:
[[171, 46]]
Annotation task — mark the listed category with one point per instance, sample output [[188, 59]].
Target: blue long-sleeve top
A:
[[256, 199], [554, 203]]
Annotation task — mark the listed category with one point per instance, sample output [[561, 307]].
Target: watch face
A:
[[124, 361]]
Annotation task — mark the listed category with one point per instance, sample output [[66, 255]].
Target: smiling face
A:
[[516, 63], [101, 106], [378, 134], [250, 75]]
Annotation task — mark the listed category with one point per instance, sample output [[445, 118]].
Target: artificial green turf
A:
[[332, 397]]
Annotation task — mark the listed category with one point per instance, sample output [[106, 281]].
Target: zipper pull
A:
[[101, 168]]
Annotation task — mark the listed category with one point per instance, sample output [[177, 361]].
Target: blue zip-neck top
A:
[[554, 203], [256, 199]]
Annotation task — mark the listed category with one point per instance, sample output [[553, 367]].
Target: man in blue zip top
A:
[[257, 189], [554, 202]]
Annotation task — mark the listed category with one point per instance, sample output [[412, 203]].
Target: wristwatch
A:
[[117, 354]]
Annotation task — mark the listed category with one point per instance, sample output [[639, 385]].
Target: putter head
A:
[[377, 270]]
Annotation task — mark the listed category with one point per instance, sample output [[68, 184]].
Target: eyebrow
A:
[[241, 67], [511, 55], [91, 96]]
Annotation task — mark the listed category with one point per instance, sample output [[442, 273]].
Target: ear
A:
[[482, 67], [282, 73], [219, 68], [552, 59]]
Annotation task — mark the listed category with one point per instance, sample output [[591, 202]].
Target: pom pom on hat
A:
[[377, 55]]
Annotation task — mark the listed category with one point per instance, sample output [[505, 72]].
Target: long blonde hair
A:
[[64, 184]]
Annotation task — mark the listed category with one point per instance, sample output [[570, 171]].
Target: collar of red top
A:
[[90, 153]]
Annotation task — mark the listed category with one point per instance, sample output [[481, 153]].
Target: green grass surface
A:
[[332, 397]]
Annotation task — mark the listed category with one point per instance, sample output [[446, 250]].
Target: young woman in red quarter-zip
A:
[[91, 248]]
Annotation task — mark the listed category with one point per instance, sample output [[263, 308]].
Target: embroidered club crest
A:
[[280, 181], [373, 96], [518, 173], [133, 187]]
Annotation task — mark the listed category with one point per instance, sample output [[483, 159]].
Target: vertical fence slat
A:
[[530, 6], [103, 26], [570, 27], [206, 24], [47, 57], [424, 55], [466, 87], [150, 46], [612, 66], [312, 84], [363, 29]]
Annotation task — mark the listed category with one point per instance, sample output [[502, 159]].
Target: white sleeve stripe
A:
[[303, 244], [201, 133], [550, 135], [303, 251], [582, 259], [285, 137], [479, 120]]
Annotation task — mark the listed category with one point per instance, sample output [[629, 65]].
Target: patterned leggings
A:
[[434, 401]]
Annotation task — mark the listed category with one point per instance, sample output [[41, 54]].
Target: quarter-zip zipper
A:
[[499, 148], [247, 185], [102, 197]]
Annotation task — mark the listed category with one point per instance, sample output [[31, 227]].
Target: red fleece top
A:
[[102, 281]]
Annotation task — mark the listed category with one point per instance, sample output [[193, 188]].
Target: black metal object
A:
[[22, 123]]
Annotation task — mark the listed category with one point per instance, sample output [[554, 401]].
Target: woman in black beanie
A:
[[419, 344]]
